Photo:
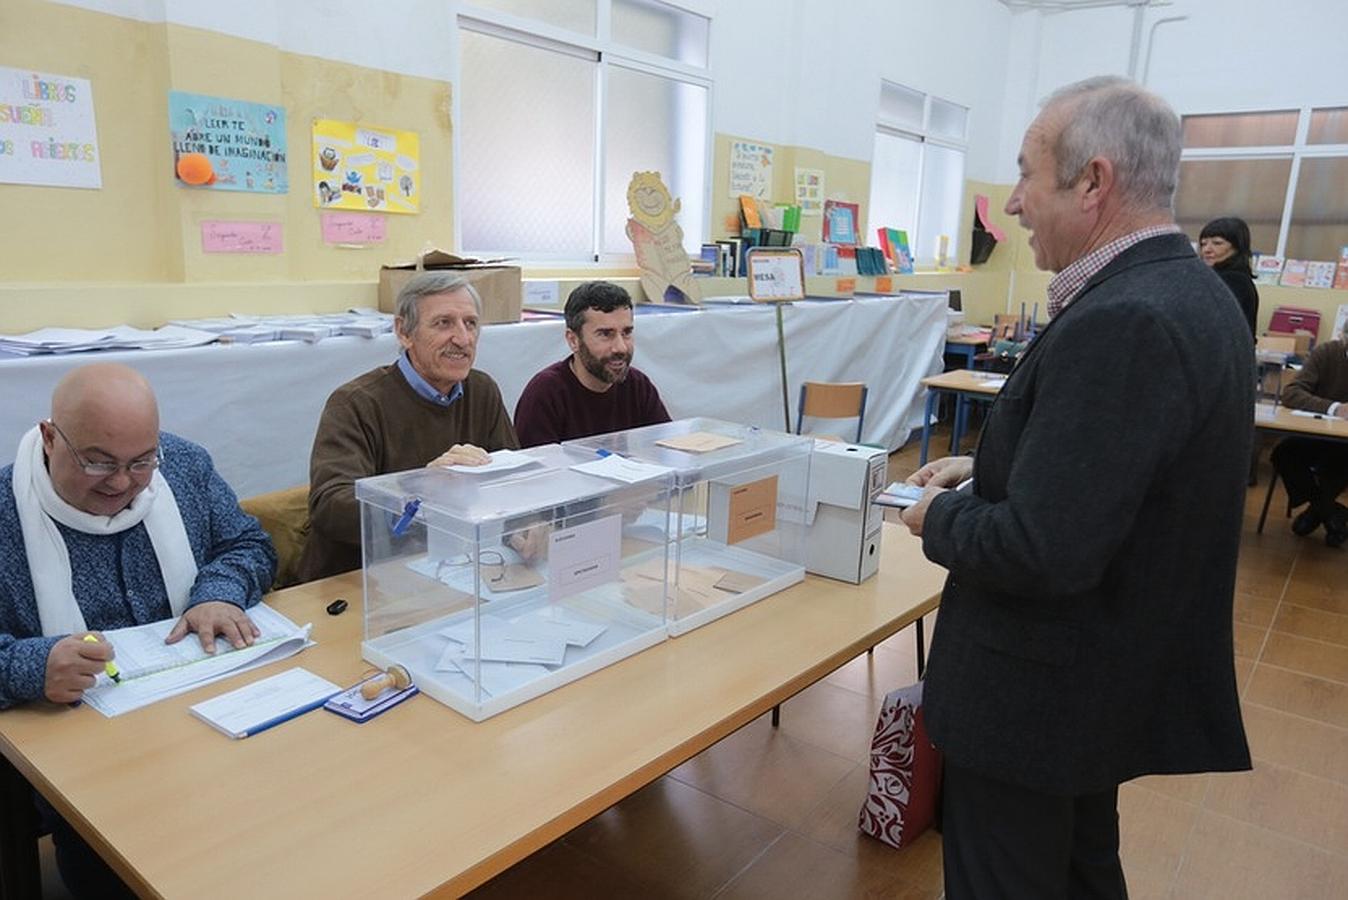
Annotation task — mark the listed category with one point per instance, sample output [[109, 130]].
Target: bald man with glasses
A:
[[106, 522], [109, 522]]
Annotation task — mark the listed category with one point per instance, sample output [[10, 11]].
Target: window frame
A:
[[924, 136], [604, 52], [1297, 151]]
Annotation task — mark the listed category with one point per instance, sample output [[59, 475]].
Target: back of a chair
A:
[[284, 515], [832, 400], [1276, 343]]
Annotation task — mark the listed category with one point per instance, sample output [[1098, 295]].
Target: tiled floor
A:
[[772, 812]]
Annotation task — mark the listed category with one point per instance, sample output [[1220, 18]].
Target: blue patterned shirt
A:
[[116, 578], [423, 387]]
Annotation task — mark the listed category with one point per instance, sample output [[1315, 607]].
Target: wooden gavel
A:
[[395, 677]]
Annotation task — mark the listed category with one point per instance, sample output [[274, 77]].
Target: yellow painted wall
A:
[[131, 252], [844, 179]]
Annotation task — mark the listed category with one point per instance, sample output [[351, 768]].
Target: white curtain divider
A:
[[256, 407]]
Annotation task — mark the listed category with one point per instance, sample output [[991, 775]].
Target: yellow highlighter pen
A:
[[110, 667]]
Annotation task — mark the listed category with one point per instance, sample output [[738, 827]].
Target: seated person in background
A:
[[1224, 245], [595, 390], [1316, 471], [431, 407], [109, 522]]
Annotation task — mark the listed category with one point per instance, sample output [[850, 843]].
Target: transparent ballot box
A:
[[738, 532], [494, 586]]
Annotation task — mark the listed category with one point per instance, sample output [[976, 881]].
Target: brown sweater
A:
[[1323, 380], [377, 424]]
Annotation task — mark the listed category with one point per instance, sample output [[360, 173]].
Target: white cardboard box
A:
[[843, 536]]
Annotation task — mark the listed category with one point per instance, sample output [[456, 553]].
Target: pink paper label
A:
[[241, 237], [353, 228]]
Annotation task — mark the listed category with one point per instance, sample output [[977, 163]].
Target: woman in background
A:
[[1224, 244]]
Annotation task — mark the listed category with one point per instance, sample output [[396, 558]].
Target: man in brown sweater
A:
[[431, 407], [1316, 471]]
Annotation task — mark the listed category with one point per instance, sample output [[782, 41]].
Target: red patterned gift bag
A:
[[905, 772]]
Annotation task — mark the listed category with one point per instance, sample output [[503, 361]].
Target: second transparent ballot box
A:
[[738, 531], [494, 585]]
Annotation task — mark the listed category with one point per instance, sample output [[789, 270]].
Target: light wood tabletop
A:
[[422, 800], [1285, 421], [969, 381]]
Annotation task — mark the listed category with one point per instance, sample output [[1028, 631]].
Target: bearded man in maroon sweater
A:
[[595, 390]]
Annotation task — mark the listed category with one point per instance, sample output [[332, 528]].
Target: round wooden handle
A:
[[395, 677]]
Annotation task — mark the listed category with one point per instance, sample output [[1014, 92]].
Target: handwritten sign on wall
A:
[[241, 237], [353, 228]]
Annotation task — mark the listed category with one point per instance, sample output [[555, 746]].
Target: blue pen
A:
[[601, 453], [286, 717], [405, 520]]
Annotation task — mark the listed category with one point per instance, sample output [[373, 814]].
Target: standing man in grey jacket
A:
[[1085, 628]]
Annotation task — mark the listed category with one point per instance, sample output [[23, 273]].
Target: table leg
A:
[[926, 426], [921, 649], [957, 427], [20, 871]]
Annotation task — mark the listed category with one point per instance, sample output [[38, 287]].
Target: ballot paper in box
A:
[[740, 509], [492, 585]]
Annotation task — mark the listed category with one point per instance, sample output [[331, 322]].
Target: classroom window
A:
[[552, 125], [1282, 171], [917, 170]]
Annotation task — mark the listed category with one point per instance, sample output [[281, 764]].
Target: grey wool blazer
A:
[[1084, 636]]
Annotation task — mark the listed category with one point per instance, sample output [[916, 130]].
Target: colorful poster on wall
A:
[[47, 130], [750, 169], [366, 167], [810, 191], [245, 143]]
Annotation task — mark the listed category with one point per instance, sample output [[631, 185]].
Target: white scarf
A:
[[40, 508]]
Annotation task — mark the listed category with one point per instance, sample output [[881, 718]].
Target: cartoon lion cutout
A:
[[666, 275]]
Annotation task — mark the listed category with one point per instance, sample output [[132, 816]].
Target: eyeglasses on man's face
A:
[[137, 467]]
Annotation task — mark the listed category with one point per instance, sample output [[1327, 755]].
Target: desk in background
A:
[[1283, 422], [256, 407], [422, 799], [963, 384]]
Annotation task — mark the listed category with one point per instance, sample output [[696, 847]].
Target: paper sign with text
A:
[[245, 142], [47, 130], [584, 556], [353, 228], [241, 237]]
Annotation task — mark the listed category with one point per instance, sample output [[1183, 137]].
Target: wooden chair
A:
[[284, 515], [832, 400]]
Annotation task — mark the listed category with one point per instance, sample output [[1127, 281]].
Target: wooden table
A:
[[966, 346], [1283, 421], [422, 800], [963, 383]]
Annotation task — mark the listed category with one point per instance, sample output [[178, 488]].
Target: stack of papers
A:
[[511, 653], [243, 329], [123, 337], [263, 704], [620, 468], [152, 670]]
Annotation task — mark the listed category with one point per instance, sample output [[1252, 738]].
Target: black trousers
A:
[[1002, 840], [1313, 471], [85, 874]]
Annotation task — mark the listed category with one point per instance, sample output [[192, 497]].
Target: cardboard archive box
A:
[[498, 284]]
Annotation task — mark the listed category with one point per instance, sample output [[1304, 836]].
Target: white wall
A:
[[1222, 57], [807, 72]]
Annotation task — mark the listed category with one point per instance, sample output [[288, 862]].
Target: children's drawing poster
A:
[[750, 169], [810, 191], [47, 130], [244, 142], [365, 167]]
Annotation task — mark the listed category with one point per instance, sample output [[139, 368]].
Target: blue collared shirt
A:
[[423, 387]]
